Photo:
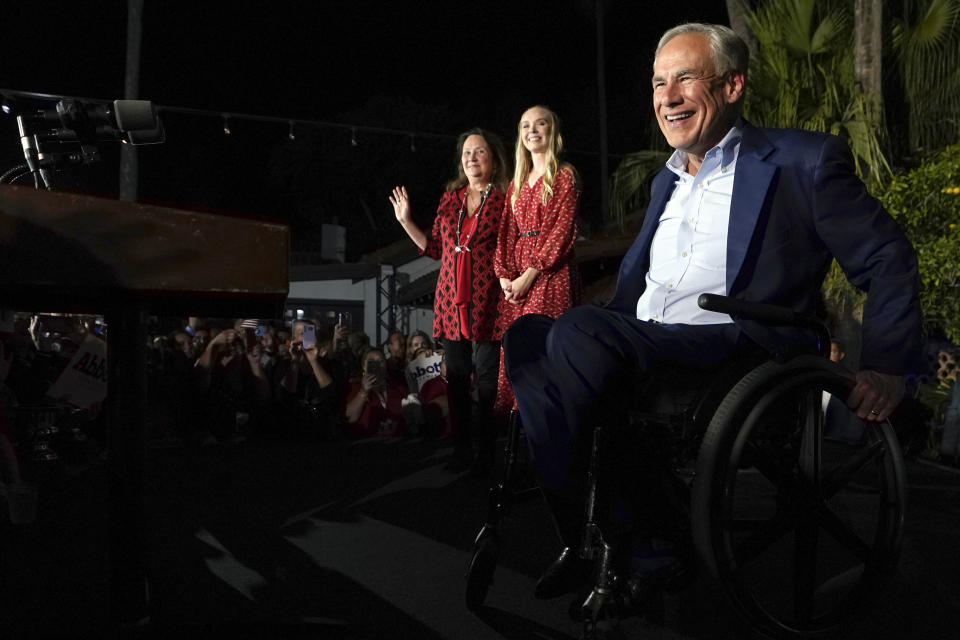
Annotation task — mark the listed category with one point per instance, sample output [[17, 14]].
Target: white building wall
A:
[[418, 318], [326, 290], [366, 291], [419, 267]]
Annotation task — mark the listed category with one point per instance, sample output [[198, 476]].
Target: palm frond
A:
[[935, 24], [927, 50], [629, 184], [834, 25], [797, 20]]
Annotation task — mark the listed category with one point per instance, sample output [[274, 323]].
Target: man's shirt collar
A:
[[677, 162]]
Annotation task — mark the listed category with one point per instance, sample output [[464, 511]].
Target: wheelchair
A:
[[797, 527]]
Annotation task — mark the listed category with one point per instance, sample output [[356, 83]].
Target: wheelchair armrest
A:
[[768, 314]]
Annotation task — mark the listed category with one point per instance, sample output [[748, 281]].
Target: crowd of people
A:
[[306, 380], [215, 380]]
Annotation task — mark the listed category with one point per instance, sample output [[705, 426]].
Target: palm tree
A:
[[868, 49], [737, 12], [803, 76], [926, 47]]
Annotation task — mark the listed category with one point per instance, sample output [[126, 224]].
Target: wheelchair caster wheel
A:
[[480, 571], [603, 629], [599, 616]]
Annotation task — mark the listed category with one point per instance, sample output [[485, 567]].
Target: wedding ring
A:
[[874, 412]]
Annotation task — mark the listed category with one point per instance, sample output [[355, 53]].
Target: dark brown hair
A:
[[497, 156]]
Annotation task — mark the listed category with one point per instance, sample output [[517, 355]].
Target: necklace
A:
[[463, 210]]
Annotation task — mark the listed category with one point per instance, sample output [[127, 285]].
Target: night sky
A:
[[428, 67]]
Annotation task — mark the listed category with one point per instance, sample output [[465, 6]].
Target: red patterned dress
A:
[[484, 302], [533, 234]]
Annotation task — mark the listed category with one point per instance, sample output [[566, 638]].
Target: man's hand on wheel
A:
[[876, 395]]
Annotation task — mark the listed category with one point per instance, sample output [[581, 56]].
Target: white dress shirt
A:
[[688, 255]]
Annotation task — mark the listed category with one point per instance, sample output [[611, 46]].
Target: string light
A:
[[226, 118]]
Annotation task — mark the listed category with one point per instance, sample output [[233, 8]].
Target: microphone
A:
[[29, 144], [130, 121], [65, 134]]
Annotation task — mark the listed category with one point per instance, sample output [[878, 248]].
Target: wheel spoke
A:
[[763, 534], [810, 458], [838, 478], [843, 534], [772, 469], [805, 571]]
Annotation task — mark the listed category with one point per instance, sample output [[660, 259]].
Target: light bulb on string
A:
[[226, 125], [353, 136], [291, 135]]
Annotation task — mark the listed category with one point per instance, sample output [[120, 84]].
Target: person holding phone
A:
[[308, 335], [309, 384], [534, 260], [374, 404], [230, 372], [467, 300]]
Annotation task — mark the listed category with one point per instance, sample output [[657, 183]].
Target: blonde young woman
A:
[[467, 300], [534, 260]]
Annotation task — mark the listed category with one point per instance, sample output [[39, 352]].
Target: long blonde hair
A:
[[524, 161]]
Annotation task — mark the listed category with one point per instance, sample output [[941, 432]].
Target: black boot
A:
[[568, 572]]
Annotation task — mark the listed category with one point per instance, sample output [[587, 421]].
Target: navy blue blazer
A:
[[797, 202]]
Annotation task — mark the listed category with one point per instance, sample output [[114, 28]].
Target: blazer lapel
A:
[[633, 267], [660, 192], [751, 183]]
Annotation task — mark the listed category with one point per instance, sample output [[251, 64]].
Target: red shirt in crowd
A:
[[383, 412]]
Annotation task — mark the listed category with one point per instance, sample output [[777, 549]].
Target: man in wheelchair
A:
[[740, 211]]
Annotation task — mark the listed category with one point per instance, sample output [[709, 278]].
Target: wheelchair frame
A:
[[767, 484]]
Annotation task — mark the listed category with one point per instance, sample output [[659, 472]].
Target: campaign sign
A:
[[84, 381], [422, 369]]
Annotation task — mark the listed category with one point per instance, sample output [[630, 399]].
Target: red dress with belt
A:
[[538, 235]]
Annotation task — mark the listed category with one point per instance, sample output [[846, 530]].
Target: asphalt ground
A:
[[371, 539]]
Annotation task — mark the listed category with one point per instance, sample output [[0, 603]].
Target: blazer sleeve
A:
[[876, 257], [558, 230]]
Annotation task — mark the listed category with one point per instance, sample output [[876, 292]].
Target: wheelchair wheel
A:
[[798, 528], [480, 572]]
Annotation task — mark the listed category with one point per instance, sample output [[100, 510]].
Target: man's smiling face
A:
[[694, 106]]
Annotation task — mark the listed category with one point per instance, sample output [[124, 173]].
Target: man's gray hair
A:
[[730, 52]]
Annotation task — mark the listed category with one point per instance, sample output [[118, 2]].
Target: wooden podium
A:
[[63, 252]]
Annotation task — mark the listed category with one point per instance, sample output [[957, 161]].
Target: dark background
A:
[[420, 67]]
